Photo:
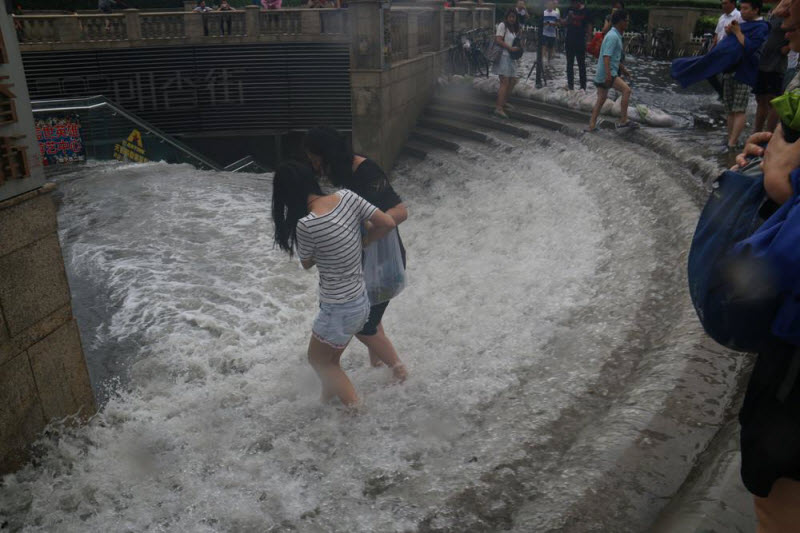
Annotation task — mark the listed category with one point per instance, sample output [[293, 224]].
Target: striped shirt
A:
[[334, 241]]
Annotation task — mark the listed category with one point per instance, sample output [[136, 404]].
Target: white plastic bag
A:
[[384, 273]]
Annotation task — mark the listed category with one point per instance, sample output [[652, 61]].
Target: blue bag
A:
[[775, 250], [732, 294]]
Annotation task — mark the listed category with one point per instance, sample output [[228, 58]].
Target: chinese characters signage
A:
[[131, 149], [60, 140]]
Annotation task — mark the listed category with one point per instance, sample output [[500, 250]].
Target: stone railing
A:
[[138, 28], [411, 30]]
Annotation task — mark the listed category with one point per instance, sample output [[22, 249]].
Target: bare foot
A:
[[399, 372], [374, 361]]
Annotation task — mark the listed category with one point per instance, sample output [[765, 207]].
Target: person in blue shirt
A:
[[609, 68]]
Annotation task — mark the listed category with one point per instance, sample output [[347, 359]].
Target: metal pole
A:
[[539, 62]]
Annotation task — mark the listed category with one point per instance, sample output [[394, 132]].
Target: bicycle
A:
[[636, 45], [661, 43], [468, 55]]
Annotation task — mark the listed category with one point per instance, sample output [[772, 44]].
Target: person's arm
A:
[[379, 225], [399, 213], [780, 159], [305, 245], [736, 31], [607, 64]]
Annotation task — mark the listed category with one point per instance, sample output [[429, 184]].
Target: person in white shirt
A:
[[326, 231], [729, 14]]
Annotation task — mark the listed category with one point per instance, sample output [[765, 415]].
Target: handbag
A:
[[516, 44], [384, 273], [721, 282], [593, 48], [495, 51]]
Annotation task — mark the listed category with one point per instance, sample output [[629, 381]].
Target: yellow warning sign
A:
[[131, 149]]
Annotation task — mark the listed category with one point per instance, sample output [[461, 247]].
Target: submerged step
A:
[[454, 128], [517, 114], [414, 150], [429, 137], [477, 118]]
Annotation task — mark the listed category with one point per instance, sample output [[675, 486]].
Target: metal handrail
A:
[[99, 101]]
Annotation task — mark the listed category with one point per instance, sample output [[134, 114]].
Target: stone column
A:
[[43, 374], [412, 33], [311, 21], [251, 22], [366, 30], [369, 79], [193, 25], [132, 24]]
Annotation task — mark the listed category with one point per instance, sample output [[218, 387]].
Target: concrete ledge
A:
[[21, 415], [60, 373], [33, 284]]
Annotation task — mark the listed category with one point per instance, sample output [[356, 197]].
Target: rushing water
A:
[[558, 380]]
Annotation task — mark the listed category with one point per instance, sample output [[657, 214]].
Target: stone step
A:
[[414, 150], [479, 119], [433, 138], [456, 128], [517, 114]]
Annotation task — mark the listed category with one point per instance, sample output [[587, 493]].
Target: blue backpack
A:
[[733, 293]]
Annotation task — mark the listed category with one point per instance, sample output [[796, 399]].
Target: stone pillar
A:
[[311, 21], [412, 34], [132, 24], [43, 374], [366, 30], [251, 22], [188, 5], [193, 25], [369, 85]]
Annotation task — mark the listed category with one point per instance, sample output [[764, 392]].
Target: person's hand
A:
[[780, 159], [752, 148], [728, 28], [736, 29]]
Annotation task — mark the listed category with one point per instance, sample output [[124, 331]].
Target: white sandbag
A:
[[616, 108], [658, 118], [587, 102], [607, 107]]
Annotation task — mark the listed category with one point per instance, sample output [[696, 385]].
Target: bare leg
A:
[[324, 360], [602, 94], [780, 511], [736, 127], [381, 349], [501, 94], [772, 119], [730, 125], [762, 111], [624, 88]]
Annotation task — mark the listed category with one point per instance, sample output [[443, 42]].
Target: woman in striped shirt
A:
[[325, 230]]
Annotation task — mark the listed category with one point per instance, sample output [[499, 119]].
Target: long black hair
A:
[[292, 184], [335, 152], [515, 27]]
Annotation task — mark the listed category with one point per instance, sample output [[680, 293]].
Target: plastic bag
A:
[[384, 273]]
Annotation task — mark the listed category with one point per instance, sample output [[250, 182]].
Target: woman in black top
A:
[[332, 156]]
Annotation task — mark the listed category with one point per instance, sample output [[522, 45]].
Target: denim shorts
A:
[[336, 323]]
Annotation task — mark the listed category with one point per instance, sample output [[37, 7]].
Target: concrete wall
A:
[[42, 369], [682, 21], [386, 104]]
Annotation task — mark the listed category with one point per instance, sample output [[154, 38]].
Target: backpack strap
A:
[[791, 377]]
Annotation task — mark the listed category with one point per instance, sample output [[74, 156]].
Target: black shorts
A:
[[548, 42], [375, 317], [770, 421], [603, 85], [769, 83]]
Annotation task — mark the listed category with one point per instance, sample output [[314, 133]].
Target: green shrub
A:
[[705, 25]]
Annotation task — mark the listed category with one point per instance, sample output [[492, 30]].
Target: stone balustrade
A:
[[134, 28], [409, 30]]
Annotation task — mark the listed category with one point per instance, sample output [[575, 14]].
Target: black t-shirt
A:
[[371, 183], [577, 22]]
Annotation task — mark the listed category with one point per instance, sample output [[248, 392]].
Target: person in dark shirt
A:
[[578, 27], [332, 156]]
